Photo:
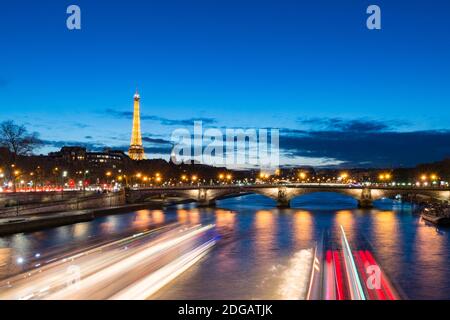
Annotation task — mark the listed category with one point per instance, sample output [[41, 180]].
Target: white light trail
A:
[[296, 278], [154, 282]]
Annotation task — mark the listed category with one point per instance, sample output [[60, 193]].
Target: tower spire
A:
[[136, 150]]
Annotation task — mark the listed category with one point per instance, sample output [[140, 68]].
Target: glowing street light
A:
[[343, 176], [385, 177]]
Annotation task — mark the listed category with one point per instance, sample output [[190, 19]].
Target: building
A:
[[80, 156], [136, 150]]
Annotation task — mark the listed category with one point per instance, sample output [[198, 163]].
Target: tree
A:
[[17, 141]]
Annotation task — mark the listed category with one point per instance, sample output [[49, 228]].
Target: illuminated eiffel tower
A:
[[136, 150]]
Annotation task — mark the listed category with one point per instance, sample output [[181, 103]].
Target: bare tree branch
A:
[[17, 139]]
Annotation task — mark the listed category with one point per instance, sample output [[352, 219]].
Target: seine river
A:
[[257, 242]]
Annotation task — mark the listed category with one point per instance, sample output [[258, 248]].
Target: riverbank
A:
[[29, 223]]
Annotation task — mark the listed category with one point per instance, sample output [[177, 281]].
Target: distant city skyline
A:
[[340, 94]]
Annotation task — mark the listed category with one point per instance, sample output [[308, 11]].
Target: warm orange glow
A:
[[229, 177], [136, 150], [194, 178], [344, 175]]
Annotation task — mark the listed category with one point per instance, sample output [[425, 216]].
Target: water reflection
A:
[[303, 227], [265, 230], [225, 219], [432, 258], [346, 219], [191, 216], [385, 229]]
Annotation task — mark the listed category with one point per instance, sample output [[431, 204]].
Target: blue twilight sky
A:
[[340, 93]]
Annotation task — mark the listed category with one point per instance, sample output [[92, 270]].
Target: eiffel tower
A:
[[136, 150]]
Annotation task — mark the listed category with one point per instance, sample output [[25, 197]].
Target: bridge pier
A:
[[206, 204], [283, 201], [283, 204], [365, 203]]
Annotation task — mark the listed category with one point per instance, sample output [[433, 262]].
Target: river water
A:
[[258, 244]]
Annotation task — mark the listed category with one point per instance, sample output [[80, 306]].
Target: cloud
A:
[[352, 125], [156, 140], [369, 148], [90, 146], [81, 125], [161, 120]]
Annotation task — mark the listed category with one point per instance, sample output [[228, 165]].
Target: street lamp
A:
[[302, 175], [63, 176], [343, 177]]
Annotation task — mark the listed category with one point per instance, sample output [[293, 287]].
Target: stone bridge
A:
[[283, 194]]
